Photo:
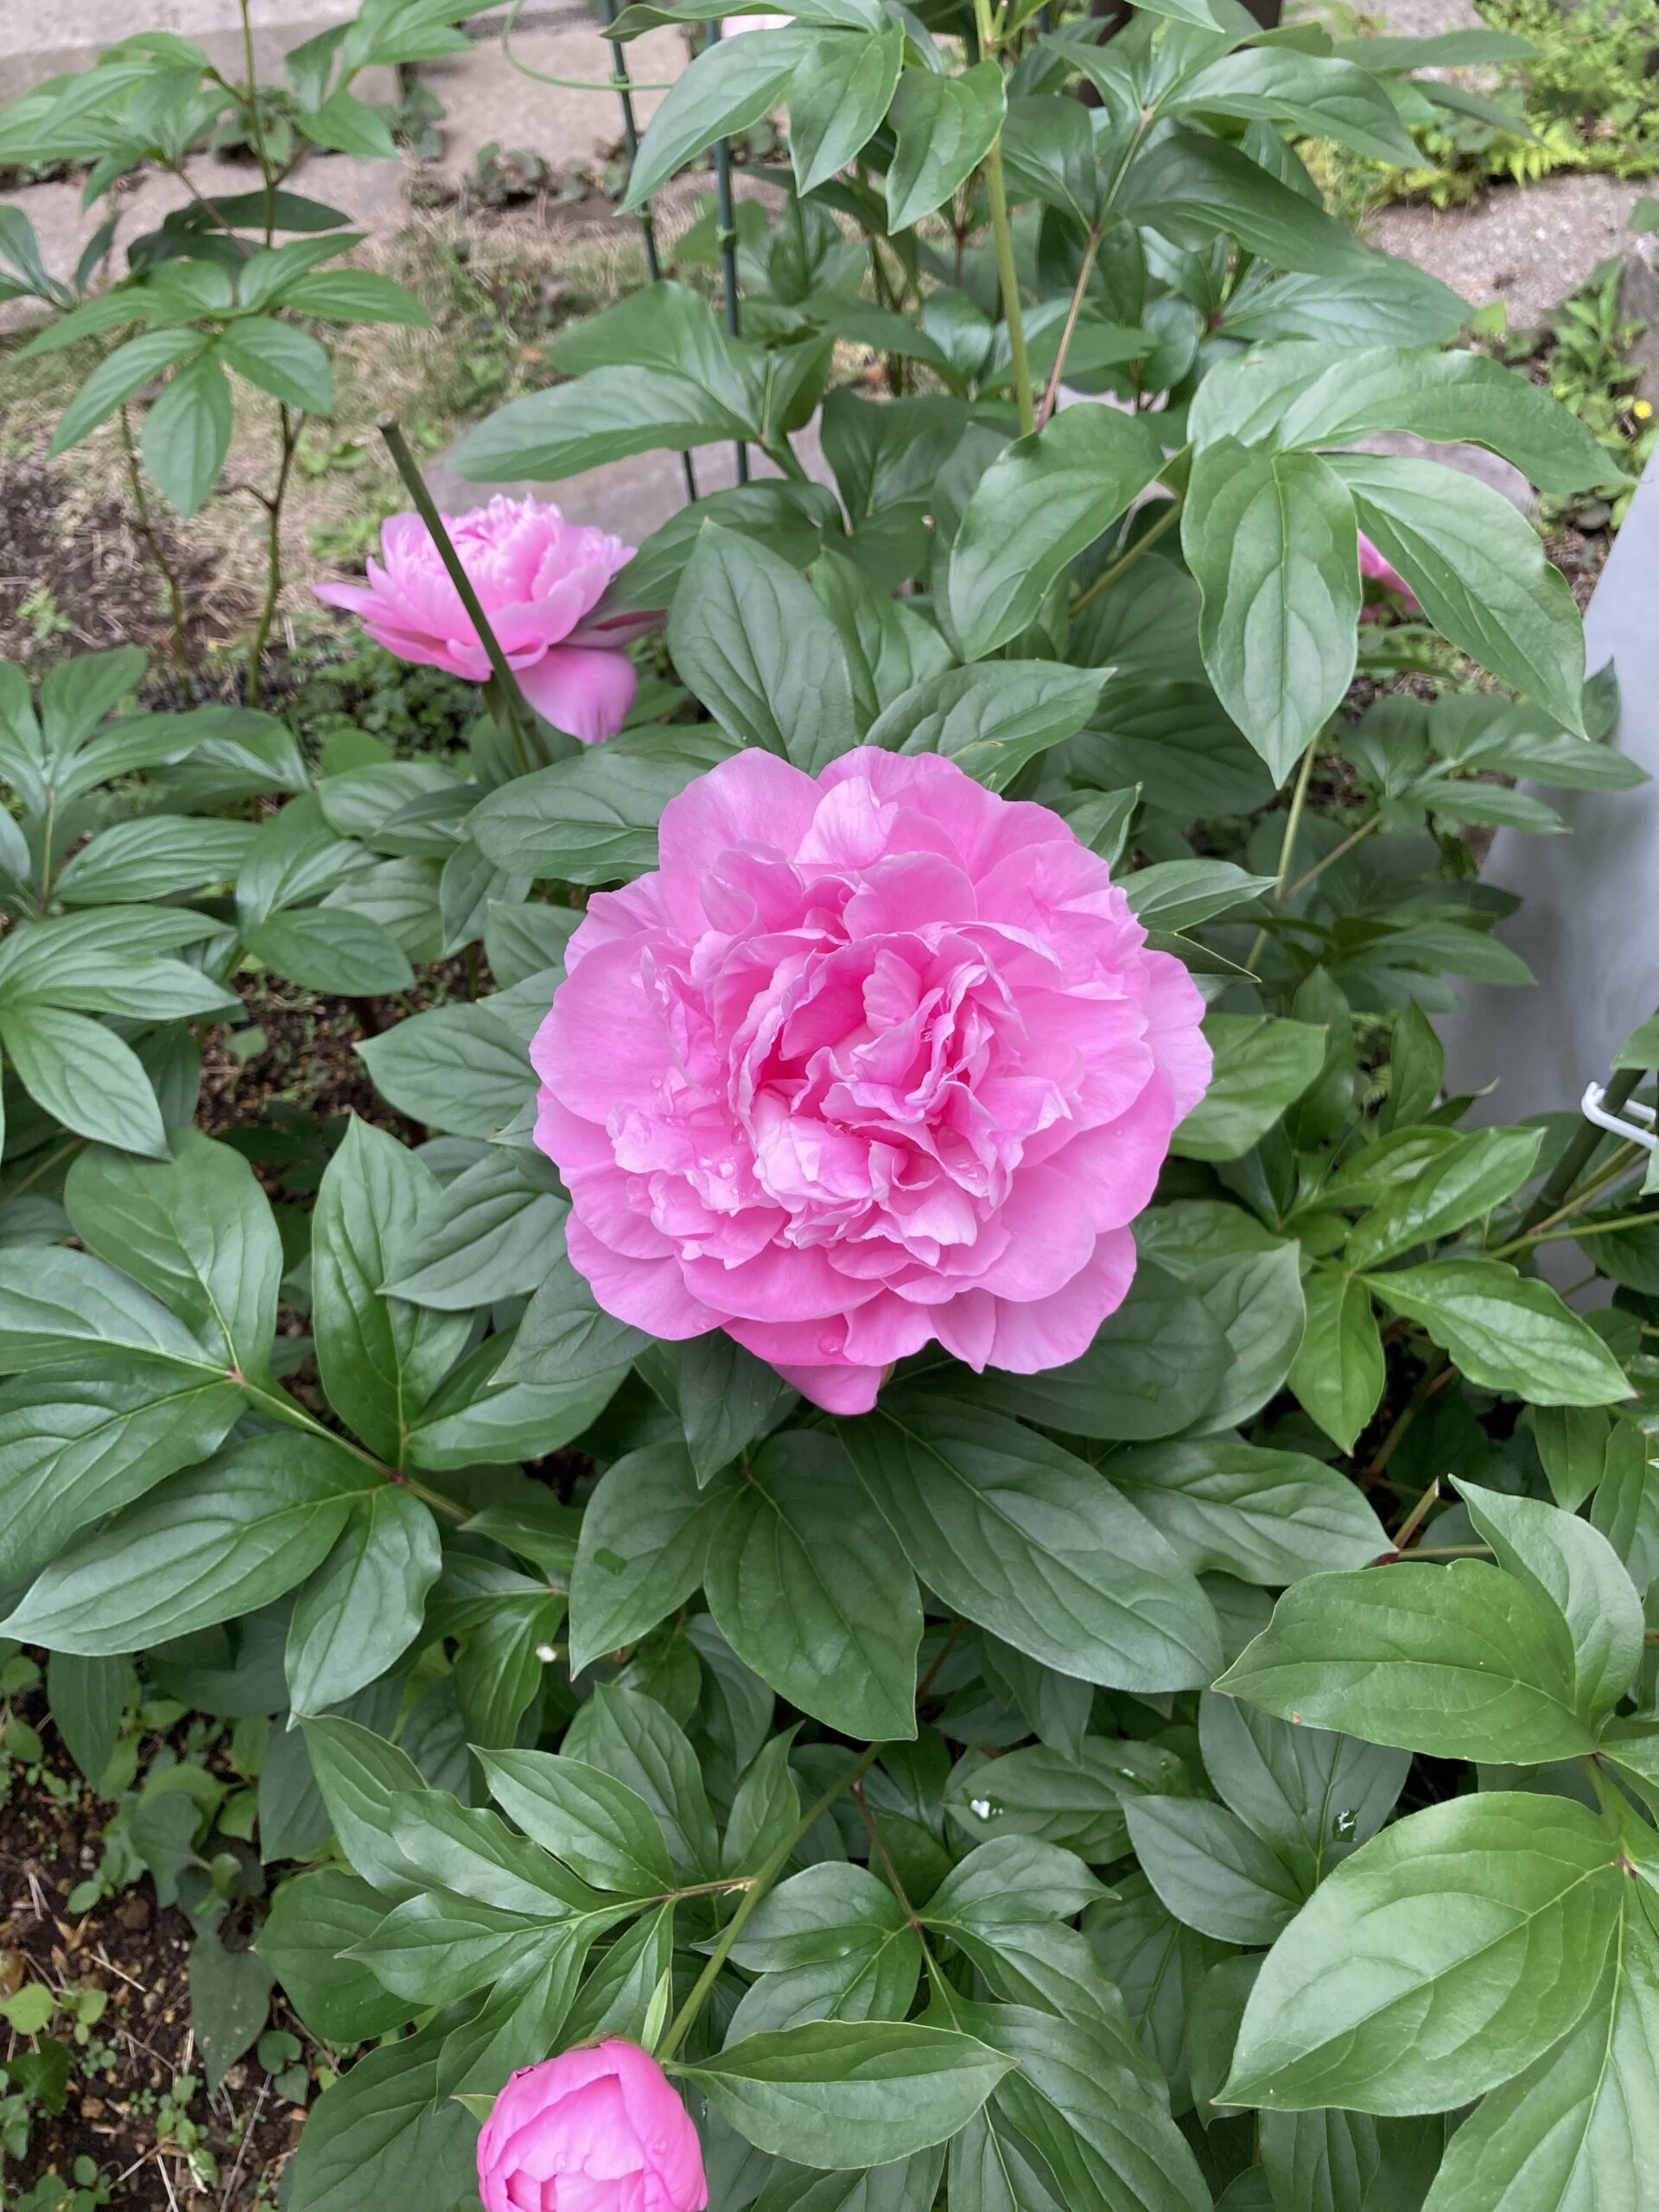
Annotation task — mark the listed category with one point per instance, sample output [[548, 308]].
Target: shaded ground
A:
[[297, 1053], [77, 576], [137, 2106]]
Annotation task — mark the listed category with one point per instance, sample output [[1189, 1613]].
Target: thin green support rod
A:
[[647, 220], [726, 239]]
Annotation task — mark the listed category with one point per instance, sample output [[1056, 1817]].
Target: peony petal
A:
[[1048, 1331], [836, 1389], [588, 695], [605, 1042], [753, 798], [648, 1294]]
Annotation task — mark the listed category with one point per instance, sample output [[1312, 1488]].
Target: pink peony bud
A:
[[538, 578], [593, 2130], [1374, 569]]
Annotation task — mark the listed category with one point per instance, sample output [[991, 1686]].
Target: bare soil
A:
[[137, 1952]]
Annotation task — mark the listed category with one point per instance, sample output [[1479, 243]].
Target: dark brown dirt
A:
[[309, 1062], [137, 1953], [87, 582]]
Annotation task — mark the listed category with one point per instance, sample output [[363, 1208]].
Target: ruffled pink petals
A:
[[1027, 1337], [539, 581], [648, 1294], [874, 1059]]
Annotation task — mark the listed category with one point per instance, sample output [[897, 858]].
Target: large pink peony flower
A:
[[539, 578], [874, 1058], [1376, 568], [593, 2130]]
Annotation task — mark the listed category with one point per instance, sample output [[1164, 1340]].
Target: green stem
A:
[[1614, 1170], [1414, 1520], [1008, 278], [1066, 335], [177, 169], [782, 455], [771, 1868], [281, 1407], [1288, 845], [1574, 1161], [1427, 1383], [513, 700], [936, 1981], [49, 831], [1337, 852], [256, 128], [146, 531], [273, 552], [1593, 1228], [1144, 543], [45, 1167], [1002, 231]]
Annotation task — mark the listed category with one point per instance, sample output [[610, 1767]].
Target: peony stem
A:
[[1008, 278], [256, 126], [1087, 271], [770, 1869], [1337, 852], [1144, 543], [1542, 1213], [726, 236], [513, 703], [1288, 849], [1002, 232], [625, 89]]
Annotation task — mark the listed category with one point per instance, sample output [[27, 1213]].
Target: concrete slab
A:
[[633, 497], [1529, 247], [1586, 929], [1425, 18], [1474, 461], [43, 38], [488, 98]]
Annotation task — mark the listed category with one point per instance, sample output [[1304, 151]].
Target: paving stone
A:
[[1474, 461], [633, 497], [488, 98], [43, 38], [1426, 18], [1530, 246]]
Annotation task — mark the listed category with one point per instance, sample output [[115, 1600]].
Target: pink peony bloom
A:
[[1375, 570], [593, 2130], [539, 578], [874, 1058]]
